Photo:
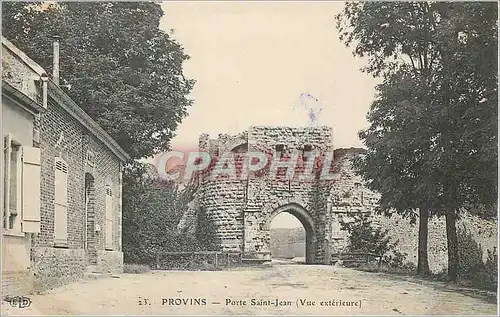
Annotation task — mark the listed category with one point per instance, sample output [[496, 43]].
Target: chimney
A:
[[55, 63]]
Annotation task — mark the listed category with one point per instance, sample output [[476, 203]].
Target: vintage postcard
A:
[[249, 158]]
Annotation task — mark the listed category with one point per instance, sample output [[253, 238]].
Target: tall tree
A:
[[115, 63], [396, 37], [397, 163], [432, 139], [467, 136]]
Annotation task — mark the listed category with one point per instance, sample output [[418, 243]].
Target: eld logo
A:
[[18, 301]]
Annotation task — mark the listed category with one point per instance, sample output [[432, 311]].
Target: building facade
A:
[[62, 183]]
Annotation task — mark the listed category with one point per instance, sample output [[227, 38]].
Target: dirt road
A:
[[274, 290]]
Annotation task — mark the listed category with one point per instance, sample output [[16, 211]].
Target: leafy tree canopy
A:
[[115, 63], [433, 132], [432, 140]]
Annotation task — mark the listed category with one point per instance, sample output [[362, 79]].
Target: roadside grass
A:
[[136, 268], [481, 285], [375, 268]]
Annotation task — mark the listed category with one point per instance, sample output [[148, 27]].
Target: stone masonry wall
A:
[[223, 202], [242, 210], [350, 197], [110, 261], [483, 232], [54, 267]]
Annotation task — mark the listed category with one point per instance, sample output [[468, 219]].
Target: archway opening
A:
[[288, 239], [291, 235]]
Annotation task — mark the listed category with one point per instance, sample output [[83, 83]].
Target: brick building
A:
[[61, 201]]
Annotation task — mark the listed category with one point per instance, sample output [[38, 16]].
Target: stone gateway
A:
[[242, 209]]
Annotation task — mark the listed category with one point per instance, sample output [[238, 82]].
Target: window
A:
[[109, 218], [21, 187], [305, 152], [90, 158], [61, 203], [279, 149], [242, 148], [12, 194], [15, 199], [120, 208]]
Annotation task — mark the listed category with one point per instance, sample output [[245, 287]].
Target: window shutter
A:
[[31, 189], [61, 202], [120, 210], [109, 218]]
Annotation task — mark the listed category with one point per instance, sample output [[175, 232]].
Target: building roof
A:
[[14, 94], [22, 56], [18, 86], [64, 101]]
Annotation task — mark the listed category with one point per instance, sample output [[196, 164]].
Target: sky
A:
[[268, 63], [254, 60], [285, 220]]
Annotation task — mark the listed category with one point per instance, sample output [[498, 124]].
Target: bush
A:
[[471, 266], [151, 213], [364, 237], [488, 277], [470, 254], [206, 232]]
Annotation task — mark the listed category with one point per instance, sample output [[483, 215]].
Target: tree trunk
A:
[[423, 230], [451, 235]]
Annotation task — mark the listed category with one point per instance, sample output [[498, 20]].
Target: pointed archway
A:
[[288, 239], [307, 222]]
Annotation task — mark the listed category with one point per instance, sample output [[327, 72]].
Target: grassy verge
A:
[[136, 268], [478, 286], [375, 268]]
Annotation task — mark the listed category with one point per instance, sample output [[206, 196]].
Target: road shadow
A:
[[282, 261], [487, 296]]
